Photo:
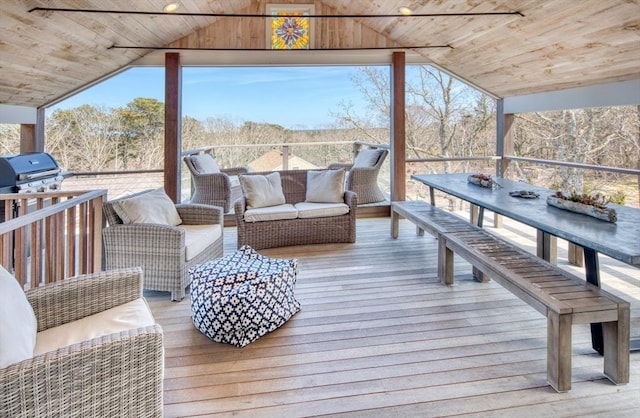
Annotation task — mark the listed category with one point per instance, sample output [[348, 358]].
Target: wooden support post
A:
[[285, 157], [32, 135], [172, 125], [27, 138], [398, 133]]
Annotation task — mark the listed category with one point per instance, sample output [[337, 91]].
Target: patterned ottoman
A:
[[239, 298]]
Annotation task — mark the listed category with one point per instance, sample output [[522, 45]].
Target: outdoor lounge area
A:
[[383, 322], [379, 335]]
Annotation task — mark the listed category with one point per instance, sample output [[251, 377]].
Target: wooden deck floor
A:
[[379, 336]]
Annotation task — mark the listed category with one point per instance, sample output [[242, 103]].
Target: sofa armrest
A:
[[198, 214], [240, 206], [351, 200], [234, 171], [122, 371], [80, 296]]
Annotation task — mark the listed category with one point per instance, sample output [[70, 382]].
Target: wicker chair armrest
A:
[[351, 199], [135, 232], [240, 206], [337, 166], [131, 240], [115, 375], [234, 171], [214, 176], [80, 296], [197, 214]]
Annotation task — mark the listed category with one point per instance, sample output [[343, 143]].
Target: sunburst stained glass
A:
[[290, 29]]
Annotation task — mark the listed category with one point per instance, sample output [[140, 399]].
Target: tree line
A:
[[444, 118]]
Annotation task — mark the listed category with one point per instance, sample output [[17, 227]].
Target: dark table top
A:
[[620, 240]]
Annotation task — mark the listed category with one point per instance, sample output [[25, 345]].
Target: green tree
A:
[[141, 138]]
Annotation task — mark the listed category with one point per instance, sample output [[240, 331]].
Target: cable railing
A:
[[541, 171]]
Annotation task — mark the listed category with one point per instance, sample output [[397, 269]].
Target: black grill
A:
[[29, 172]]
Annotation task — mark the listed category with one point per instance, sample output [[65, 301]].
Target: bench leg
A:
[[480, 276], [445, 262], [559, 351], [395, 218], [616, 347]]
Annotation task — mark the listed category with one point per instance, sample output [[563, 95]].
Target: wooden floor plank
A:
[[379, 336]]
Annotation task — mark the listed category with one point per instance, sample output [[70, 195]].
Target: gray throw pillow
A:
[[325, 186], [154, 207], [204, 164], [261, 191], [367, 157]]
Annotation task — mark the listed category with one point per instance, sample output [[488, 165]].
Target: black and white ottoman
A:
[[239, 298]]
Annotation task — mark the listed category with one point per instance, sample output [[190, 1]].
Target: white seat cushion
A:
[[18, 323], [271, 213], [199, 237], [131, 315], [319, 210]]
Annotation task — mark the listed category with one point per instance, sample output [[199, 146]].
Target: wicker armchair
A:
[[115, 375], [362, 176], [161, 250], [213, 186]]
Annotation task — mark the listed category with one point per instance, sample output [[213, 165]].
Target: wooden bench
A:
[[436, 221], [562, 297]]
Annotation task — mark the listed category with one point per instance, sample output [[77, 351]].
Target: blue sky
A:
[[294, 97]]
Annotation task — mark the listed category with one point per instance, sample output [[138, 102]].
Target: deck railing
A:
[[45, 237], [119, 183]]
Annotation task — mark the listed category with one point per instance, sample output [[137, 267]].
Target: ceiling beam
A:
[[18, 114], [624, 93]]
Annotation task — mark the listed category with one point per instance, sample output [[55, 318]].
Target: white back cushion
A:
[[18, 325], [367, 157], [204, 164], [326, 186], [154, 207], [262, 191]]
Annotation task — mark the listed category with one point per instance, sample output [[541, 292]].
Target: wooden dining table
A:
[[619, 240]]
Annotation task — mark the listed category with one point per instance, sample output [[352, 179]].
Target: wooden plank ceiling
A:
[[553, 45]]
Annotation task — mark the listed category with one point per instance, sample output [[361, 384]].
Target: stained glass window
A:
[[290, 26]]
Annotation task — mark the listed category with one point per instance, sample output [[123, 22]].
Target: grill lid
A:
[[15, 169]]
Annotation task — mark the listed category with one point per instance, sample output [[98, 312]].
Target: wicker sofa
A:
[[298, 231], [117, 371]]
